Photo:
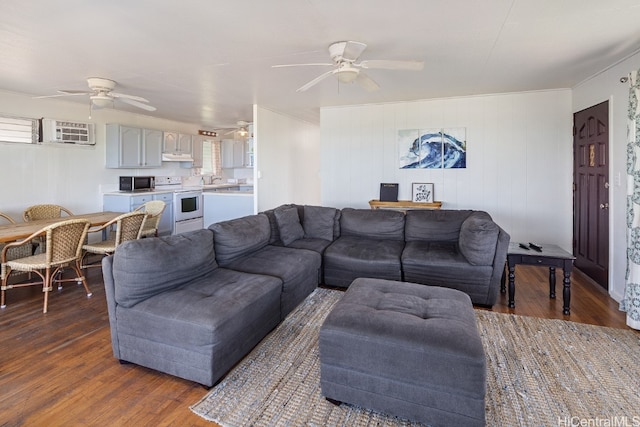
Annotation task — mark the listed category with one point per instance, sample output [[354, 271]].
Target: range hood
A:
[[176, 157]]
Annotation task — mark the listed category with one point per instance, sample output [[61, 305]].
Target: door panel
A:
[[591, 192]]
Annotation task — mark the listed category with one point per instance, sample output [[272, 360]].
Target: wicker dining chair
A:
[[7, 218], [154, 210], [43, 211], [19, 251], [64, 241], [128, 227]]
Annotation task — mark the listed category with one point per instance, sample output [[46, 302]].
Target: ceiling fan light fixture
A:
[[347, 76], [101, 101], [243, 132]]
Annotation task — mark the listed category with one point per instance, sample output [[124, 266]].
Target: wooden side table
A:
[[404, 205], [551, 256]]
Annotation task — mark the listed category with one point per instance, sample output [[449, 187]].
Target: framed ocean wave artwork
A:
[[432, 148]]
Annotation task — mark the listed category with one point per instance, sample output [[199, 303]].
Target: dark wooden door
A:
[[591, 192]]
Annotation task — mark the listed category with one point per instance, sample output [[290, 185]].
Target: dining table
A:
[[22, 230]]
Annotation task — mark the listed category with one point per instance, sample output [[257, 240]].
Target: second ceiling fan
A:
[[345, 55]]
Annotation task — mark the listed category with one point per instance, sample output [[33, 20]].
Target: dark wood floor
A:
[[57, 369]]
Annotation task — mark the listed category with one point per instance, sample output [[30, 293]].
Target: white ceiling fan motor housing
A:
[[101, 85]]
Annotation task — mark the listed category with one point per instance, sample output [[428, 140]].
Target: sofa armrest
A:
[[109, 289], [502, 245], [478, 237]]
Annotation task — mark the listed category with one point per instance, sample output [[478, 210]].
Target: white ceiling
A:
[[207, 61]]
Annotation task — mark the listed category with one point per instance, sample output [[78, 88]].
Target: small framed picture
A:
[[422, 192]]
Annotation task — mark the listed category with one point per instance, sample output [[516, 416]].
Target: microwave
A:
[[137, 183]]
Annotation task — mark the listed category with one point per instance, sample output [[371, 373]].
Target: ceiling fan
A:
[[344, 56], [101, 95], [241, 127]]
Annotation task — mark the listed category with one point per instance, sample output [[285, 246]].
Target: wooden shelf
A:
[[403, 205]]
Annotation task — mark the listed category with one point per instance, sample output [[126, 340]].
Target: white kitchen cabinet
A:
[[133, 147], [179, 143], [121, 202], [196, 151], [170, 142], [165, 227], [152, 148], [233, 153], [185, 143]]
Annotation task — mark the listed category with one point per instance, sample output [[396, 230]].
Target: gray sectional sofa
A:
[[458, 249], [192, 305]]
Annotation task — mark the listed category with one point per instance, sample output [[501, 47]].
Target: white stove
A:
[[187, 203]]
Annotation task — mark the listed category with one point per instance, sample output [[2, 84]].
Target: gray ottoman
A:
[[407, 350]]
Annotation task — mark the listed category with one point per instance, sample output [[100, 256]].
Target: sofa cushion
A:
[[298, 269], [442, 264], [240, 236], [319, 222], [289, 224], [200, 330], [146, 267], [195, 312], [438, 225], [349, 257], [372, 224], [316, 245], [478, 236]]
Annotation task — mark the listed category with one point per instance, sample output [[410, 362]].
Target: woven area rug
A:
[[540, 372]]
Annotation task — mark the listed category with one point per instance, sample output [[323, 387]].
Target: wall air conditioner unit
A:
[[66, 132]]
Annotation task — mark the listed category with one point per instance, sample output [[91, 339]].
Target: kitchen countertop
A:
[[218, 186], [138, 193], [228, 192], [213, 188]]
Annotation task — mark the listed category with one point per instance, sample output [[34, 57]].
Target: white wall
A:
[[606, 86], [71, 176], [519, 158], [287, 158]]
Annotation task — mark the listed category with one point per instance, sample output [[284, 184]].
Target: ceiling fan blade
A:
[[367, 82], [75, 92], [300, 65], [385, 64], [315, 81], [353, 50], [65, 93], [137, 104], [124, 95]]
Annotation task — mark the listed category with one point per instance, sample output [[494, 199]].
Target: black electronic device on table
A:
[[535, 247]]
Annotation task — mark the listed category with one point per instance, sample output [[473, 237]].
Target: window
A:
[[211, 158], [18, 129]]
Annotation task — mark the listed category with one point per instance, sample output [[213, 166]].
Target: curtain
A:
[[631, 301]]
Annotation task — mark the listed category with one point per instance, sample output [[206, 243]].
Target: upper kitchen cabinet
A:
[[132, 147], [233, 154], [178, 143], [196, 151]]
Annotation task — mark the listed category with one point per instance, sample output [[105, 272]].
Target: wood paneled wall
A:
[[519, 158]]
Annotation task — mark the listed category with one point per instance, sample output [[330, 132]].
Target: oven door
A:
[[187, 205]]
